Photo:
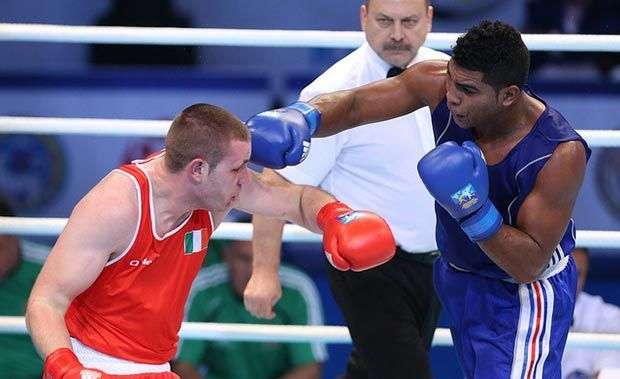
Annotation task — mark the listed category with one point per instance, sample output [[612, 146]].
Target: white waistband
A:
[[111, 365], [556, 268], [549, 271]]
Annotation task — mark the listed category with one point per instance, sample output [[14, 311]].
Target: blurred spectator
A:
[[592, 315], [141, 148], [20, 263], [574, 17], [217, 296], [151, 13]]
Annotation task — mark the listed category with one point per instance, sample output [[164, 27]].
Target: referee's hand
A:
[[262, 293]]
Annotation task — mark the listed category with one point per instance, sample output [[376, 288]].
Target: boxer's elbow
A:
[[529, 272], [524, 278]]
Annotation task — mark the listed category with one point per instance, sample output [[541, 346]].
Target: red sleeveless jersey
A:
[[135, 307]]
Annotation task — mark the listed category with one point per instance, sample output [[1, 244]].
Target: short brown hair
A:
[[202, 131]]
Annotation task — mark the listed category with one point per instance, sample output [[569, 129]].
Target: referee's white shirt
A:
[[373, 167]]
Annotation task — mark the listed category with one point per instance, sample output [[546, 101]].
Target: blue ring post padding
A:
[[311, 114], [484, 223]]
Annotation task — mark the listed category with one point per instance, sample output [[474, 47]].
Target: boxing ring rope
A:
[[269, 38], [242, 231], [303, 333], [40, 226], [292, 233], [158, 128]]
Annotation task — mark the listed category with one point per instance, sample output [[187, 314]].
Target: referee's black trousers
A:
[[391, 312]]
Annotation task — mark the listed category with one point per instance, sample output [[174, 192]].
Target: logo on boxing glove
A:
[[466, 197], [348, 217]]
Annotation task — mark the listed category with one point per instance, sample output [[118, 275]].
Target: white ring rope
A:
[[304, 333], [264, 37], [243, 231], [33, 226], [159, 128], [88, 126]]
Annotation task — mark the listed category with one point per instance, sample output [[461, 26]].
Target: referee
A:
[[391, 311]]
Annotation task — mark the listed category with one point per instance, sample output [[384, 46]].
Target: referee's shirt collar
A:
[[378, 66]]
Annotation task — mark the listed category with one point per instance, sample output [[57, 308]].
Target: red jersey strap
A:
[[137, 173], [143, 182], [144, 205]]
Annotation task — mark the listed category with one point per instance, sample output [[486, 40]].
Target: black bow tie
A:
[[394, 71]]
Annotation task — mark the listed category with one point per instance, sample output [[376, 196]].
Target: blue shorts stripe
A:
[[550, 299], [536, 326], [539, 342], [520, 351], [530, 331]]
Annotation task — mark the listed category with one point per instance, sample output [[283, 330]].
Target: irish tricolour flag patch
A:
[[195, 241]]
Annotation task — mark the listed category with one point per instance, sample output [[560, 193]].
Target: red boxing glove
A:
[[354, 240], [63, 364]]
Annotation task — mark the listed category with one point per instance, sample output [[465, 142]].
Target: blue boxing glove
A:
[[281, 137], [457, 177]]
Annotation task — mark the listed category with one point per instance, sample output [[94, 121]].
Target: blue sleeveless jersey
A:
[[510, 181]]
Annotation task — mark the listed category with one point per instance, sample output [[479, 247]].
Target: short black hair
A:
[[497, 50]]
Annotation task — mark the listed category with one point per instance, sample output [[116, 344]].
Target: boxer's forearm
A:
[[516, 253], [46, 325], [266, 243]]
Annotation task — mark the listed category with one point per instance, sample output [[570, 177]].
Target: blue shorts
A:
[[507, 330]]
